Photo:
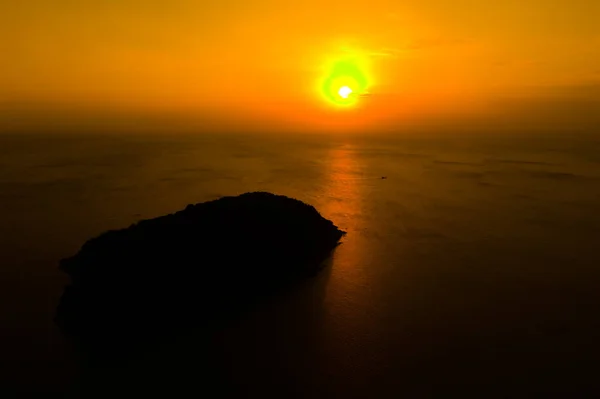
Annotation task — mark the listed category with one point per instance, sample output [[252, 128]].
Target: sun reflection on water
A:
[[347, 293]]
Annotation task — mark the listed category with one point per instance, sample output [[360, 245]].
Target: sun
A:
[[344, 80], [344, 91]]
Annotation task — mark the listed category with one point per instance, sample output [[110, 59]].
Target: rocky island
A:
[[187, 268]]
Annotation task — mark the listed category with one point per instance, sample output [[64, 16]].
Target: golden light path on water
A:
[[347, 295]]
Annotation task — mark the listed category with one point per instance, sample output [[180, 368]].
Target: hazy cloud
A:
[[565, 107], [386, 52], [423, 44]]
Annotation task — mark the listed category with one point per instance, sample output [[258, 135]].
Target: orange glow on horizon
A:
[[274, 66]]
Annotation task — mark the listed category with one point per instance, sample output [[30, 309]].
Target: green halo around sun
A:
[[344, 81]]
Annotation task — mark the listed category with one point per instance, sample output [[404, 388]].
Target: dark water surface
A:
[[473, 267]]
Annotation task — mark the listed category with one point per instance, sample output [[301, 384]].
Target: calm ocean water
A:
[[473, 267]]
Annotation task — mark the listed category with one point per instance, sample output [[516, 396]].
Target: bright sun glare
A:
[[344, 80], [344, 91]]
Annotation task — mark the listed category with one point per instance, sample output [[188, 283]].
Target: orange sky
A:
[[260, 61]]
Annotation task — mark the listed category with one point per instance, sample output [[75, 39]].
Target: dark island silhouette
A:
[[189, 268]]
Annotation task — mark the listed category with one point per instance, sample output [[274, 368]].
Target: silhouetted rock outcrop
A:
[[186, 268]]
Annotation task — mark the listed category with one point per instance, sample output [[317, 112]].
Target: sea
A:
[[471, 264]]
